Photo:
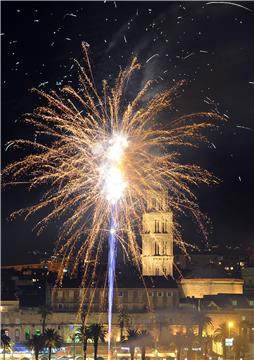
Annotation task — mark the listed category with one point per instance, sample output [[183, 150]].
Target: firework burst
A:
[[92, 151]]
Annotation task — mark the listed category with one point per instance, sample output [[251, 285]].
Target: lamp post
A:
[[230, 325]]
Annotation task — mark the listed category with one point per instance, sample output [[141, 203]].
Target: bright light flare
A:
[[116, 148], [112, 173]]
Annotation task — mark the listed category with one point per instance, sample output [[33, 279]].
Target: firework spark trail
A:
[[111, 275], [78, 132], [228, 3]]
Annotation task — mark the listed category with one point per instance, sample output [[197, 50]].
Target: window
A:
[[165, 227], [60, 306], [120, 293], [251, 302], [234, 302], [159, 293], [243, 318], [156, 249], [157, 271], [154, 203], [38, 332], [156, 226], [170, 294], [17, 335], [59, 294], [71, 294], [27, 333]]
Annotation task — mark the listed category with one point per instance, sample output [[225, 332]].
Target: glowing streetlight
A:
[[230, 325]]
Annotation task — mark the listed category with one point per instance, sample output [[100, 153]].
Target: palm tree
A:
[[36, 343], [202, 320], [132, 337], [83, 314], [189, 340], [97, 332], [178, 340], [220, 334], [52, 340], [44, 311], [240, 346], [5, 341], [145, 339], [82, 335], [123, 320], [245, 327]]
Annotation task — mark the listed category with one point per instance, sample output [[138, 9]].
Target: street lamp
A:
[[230, 325]]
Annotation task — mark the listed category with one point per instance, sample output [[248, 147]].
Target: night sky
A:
[[208, 44]]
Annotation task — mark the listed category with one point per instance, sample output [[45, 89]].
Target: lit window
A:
[[243, 318], [234, 302], [38, 332], [251, 302]]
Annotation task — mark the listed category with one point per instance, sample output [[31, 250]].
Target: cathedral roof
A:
[[130, 278], [208, 271], [126, 277]]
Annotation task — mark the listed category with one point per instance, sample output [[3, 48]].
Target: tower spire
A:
[[157, 236]]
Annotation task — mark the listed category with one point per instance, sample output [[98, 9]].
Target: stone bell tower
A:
[[157, 236]]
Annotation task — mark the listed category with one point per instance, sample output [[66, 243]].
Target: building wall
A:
[[162, 324], [199, 287], [130, 299], [248, 277]]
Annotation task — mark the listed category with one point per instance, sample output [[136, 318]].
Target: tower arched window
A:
[[165, 227], [156, 226], [153, 203], [156, 249]]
